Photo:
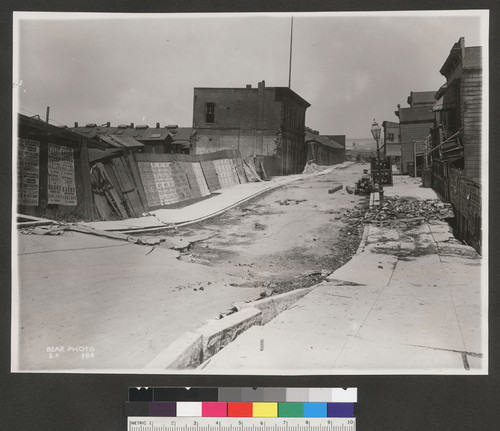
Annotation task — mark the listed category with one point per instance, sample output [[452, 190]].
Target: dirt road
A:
[[290, 238]]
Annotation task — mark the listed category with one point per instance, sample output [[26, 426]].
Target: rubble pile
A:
[[396, 211]]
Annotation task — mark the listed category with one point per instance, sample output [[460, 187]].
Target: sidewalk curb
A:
[[364, 240], [197, 346], [274, 305]]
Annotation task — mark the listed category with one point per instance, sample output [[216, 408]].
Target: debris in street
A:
[[405, 212], [260, 226], [48, 230], [313, 273], [349, 190], [288, 201], [335, 189]]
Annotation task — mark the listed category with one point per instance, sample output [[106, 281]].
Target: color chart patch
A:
[[242, 402]]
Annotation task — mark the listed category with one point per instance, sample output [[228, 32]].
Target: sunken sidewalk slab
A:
[[195, 347]]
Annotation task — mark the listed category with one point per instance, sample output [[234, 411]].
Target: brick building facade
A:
[[262, 121]]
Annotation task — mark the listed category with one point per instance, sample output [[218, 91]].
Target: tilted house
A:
[[262, 121], [457, 125], [457, 141]]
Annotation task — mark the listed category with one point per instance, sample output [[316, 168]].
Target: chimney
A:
[[157, 125], [108, 124], [249, 85], [76, 123], [262, 84], [131, 125]]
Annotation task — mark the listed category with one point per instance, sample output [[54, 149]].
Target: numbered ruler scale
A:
[[239, 424]]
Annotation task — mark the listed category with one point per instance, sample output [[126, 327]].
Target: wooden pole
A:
[[290, 65], [415, 159], [88, 198]]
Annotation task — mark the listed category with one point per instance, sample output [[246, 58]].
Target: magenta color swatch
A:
[[213, 409]]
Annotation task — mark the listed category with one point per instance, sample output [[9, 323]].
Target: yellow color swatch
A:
[[265, 410]]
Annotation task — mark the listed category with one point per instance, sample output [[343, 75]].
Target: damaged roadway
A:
[[403, 303], [114, 302], [410, 301]]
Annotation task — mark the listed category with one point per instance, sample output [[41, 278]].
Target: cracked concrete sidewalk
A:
[[408, 302]]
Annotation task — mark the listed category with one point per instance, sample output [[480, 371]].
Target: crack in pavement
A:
[[72, 249]]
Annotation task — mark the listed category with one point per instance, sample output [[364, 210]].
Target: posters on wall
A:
[[61, 188], [28, 172]]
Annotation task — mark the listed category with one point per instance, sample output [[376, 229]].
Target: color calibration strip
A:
[[240, 424], [242, 402]]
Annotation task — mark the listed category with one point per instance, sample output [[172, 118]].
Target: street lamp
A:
[[376, 135]]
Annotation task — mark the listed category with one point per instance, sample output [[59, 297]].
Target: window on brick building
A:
[[390, 137], [210, 113]]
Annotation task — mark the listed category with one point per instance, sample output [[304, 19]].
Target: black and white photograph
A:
[[299, 193]]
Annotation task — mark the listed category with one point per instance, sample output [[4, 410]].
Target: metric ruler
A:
[[239, 424]]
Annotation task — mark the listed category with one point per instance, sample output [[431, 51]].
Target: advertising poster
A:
[[61, 187], [28, 171]]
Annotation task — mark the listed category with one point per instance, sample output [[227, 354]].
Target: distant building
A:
[[182, 139], [325, 149], [392, 141], [262, 121], [140, 138], [415, 125]]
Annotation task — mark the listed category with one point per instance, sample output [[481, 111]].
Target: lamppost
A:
[[376, 135]]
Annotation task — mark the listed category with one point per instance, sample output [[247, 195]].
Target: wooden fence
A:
[[129, 185]]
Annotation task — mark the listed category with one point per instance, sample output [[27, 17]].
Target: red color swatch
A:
[[240, 410]]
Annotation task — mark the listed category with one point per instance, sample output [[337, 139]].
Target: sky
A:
[[133, 68]]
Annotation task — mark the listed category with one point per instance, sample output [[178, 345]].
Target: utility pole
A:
[[290, 65]]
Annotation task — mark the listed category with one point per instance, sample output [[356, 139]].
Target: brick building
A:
[[415, 125], [262, 121]]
